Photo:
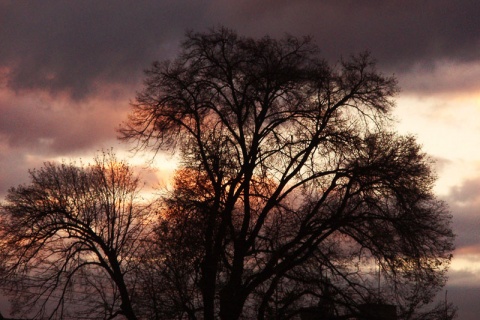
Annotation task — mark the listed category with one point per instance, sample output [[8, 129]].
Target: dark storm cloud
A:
[[76, 45], [397, 32]]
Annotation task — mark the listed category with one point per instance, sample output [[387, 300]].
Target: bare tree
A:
[[170, 269], [70, 240], [296, 176]]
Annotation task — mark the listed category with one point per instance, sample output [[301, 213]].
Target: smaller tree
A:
[[71, 238]]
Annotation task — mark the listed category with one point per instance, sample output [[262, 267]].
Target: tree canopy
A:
[[71, 240], [292, 188]]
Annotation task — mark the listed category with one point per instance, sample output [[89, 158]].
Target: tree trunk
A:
[[126, 306], [208, 284], [231, 303]]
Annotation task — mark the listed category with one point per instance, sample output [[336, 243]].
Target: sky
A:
[[69, 70]]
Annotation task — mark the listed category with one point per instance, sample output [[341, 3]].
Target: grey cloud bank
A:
[[75, 46]]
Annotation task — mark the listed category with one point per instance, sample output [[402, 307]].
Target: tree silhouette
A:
[[70, 240], [296, 185]]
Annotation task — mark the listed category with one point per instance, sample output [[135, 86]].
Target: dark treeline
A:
[[292, 193]]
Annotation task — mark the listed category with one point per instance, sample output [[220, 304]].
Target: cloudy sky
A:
[[68, 70]]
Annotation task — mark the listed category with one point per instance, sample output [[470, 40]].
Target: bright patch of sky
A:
[[448, 130]]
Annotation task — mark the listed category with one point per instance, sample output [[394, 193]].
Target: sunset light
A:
[[255, 160]]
